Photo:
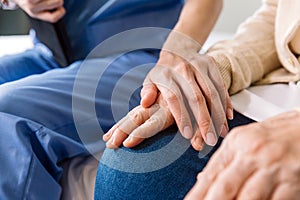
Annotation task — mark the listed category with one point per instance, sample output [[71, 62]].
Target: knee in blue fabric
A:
[[123, 174], [32, 61], [158, 174]]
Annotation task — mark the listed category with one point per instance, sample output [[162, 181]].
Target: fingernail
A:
[[111, 145], [187, 132], [105, 137], [230, 113], [128, 140], [211, 139], [199, 143], [224, 130]]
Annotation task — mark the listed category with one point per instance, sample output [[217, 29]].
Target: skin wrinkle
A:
[[254, 143], [250, 193]]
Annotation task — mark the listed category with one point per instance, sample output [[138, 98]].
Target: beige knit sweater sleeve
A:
[[252, 53]]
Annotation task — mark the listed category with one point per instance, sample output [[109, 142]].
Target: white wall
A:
[[234, 12]]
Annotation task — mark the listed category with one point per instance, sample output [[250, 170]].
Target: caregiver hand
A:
[[46, 10], [192, 90], [257, 161]]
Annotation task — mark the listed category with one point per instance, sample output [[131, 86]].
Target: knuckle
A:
[[171, 97], [235, 133], [156, 121], [214, 94], [255, 145], [228, 189], [31, 9], [197, 98], [205, 123], [136, 116], [183, 68]]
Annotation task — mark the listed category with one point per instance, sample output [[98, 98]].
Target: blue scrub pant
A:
[[154, 169], [37, 129]]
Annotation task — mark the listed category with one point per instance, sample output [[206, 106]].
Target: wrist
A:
[[181, 45], [224, 67]]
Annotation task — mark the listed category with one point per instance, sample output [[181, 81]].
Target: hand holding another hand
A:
[[192, 87], [184, 86]]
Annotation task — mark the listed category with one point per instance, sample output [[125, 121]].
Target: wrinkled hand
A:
[[46, 10], [138, 124], [193, 89], [257, 161]]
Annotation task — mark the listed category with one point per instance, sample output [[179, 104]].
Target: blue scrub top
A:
[[90, 22]]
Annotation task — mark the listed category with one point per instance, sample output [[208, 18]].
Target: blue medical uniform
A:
[[37, 128]]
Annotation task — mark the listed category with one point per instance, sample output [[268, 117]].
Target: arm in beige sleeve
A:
[[252, 53]]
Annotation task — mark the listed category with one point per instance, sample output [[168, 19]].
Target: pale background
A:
[[234, 12]]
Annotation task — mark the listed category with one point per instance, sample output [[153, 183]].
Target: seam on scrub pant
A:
[[31, 166]]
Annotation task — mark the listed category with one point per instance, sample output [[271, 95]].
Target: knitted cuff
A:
[[224, 67]]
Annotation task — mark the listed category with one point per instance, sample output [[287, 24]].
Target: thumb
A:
[[149, 95]]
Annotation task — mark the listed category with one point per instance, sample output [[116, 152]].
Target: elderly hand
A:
[[138, 124], [192, 87], [46, 10], [257, 161]]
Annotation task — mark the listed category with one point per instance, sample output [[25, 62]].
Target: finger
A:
[[287, 191], [108, 135], [176, 105], [157, 122], [218, 82], [50, 16], [225, 130], [229, 181], [214, 105], [229, 110], [259, 186], [198, 106], [197, 140], [132, 141], [116, 139], [199, 112], [133, 119], [47, 5], [149, 94], [197, 191], [218, 162]]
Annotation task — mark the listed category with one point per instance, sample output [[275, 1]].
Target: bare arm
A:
[[198, 18]]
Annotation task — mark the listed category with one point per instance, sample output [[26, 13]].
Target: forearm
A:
[[198, 18], [252, 53]]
